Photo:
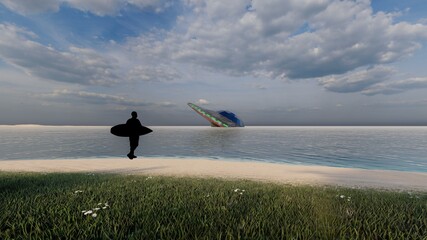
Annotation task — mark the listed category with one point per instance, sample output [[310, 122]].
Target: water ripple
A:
[[391, 148]]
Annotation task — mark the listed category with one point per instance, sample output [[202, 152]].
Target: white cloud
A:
[[422, 21], [284, 39], [203, 102], [157, 5], [100, 99], [31, 6], [153, 74], [166, 104], [97, 7], [372, 81], [393, 87], [78, 65], [294, 39], [356, 81]]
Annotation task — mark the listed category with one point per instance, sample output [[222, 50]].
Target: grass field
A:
[[105, 206]]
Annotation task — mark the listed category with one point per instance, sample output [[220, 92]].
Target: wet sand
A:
[[197, 167]]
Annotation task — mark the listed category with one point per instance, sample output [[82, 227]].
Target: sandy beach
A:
[[270, 172]]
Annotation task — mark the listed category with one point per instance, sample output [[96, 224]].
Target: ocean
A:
[[385, 148]]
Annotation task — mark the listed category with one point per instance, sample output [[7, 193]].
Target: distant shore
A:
[[198, 167]]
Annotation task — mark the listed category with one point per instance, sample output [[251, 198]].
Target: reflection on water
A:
[[222, 140], [398, 148]]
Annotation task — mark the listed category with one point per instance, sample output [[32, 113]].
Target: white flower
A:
[[78, 191], [94, 215], [88, 212], [96, 209], [104, 207], [240, 191], [342, 196]]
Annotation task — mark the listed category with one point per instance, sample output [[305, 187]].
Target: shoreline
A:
[[200, 167]]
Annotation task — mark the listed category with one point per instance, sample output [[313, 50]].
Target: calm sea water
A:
[[393, 148]]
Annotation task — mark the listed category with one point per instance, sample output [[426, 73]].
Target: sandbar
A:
[[259, 171]]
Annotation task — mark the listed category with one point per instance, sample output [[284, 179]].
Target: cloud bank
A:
[[286, 39], [343, 44], [101, 99], [85, 66], [393, 87], [78, 65], [372, 81], [357, 81]]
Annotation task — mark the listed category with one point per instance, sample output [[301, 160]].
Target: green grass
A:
[[46, 206]]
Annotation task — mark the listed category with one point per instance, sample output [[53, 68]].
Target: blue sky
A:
[[324, 62], [83, 28]]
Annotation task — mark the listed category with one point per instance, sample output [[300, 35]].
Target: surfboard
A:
[[122, 130]]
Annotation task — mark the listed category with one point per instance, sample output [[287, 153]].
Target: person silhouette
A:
[[133, 124]]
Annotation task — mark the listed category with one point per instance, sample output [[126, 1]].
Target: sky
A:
[[271, 62]]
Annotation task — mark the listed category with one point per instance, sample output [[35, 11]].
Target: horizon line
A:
[[305, 125]]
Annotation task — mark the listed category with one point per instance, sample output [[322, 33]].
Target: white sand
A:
[[282, 173]]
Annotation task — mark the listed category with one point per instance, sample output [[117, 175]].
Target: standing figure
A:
[[133, 124]]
